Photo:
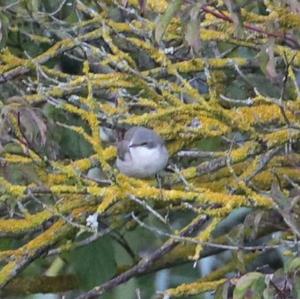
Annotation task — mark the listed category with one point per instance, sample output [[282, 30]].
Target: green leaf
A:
[[72, 145], [269, 293], [296, 287], [192, 34], [267, 61], [264, 85], [4, 23], [262, 58], [32, 5], [235, 13], [222, 291], [293, 265], [250, 286], [166, 18], [94, 263]]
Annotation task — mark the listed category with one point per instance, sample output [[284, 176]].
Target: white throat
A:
[[141, 153]]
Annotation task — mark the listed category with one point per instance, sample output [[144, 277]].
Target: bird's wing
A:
[[122, 149]]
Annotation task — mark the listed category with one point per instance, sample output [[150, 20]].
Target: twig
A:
[[123, 242], [242, 75], [63, 2], [81, 243], [294, 184], [291, 42], [199, 154], [147, 207], [238, 102], [285, 78], [199, 242], [138, 293], [7, 7], [182, 178], [60, 215]]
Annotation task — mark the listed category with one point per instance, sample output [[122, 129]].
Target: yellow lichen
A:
[[280, 137], [194, 288], [204, 236], [110, 197], [243, 152], [10, 158], [14, 190]]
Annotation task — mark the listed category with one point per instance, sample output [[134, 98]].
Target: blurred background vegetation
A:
[[218, 80]]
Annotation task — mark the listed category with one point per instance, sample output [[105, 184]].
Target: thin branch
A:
[[148, 207], [199, 242], [60, 6], [85, 242], [238, 102], [285, 79], [199, 154], [242, 75], [9, 6], [60, 215]]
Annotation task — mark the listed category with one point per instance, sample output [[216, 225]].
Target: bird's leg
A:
[[159, 184], [159, 180], [112, 176]]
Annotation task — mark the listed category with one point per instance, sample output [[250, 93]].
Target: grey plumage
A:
[[137, 136], [142, 135], [141, 153]]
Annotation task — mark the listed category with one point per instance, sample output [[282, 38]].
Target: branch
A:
[[41, 284], [291, 42], [221, 246], [32, 250], [57, 49], [145, 263]]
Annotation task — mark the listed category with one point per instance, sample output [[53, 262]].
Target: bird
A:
[[141, 153]]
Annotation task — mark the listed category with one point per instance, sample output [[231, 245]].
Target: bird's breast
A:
[[143, 161], [146, 156]]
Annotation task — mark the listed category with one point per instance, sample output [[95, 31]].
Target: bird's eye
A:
[[139, 144], [143, 144]]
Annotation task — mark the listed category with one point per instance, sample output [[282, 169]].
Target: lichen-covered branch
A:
[[218, 82]]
